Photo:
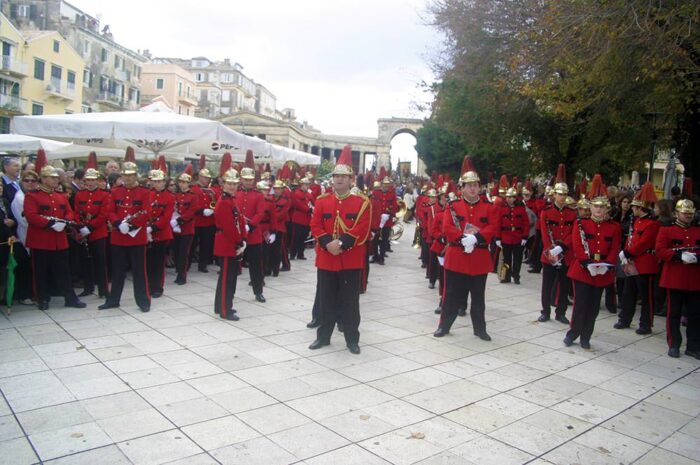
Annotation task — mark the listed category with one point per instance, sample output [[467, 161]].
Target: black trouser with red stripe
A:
[[586, 308], [276, 257], [96, 267], [676, 299], [204, 238], [181, 251], [555, 287], [48, 265], [434, 267], [253, 256], [226, 285], [156, 266], [458, 288], [122, 258], [300, 232], [638, 287], [339, 297]]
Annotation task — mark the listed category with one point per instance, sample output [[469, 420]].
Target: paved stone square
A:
[[180, 386]]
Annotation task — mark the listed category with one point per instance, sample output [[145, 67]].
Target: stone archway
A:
[[388, 128]]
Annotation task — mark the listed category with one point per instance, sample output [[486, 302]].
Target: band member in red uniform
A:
[[92, 210], [183, 223], [389, 209], [229, 245], [129, 213], [376, 201], [678, 246], [469, 223], [48, 213], [160, 232], [251, 205], [267, 229], [302, 207], [278, 250], [438, 246], [515, 226], [556, 225], [432, 214], [204, 227], [372, 240], [639, 253], [340, 224], [596, 245]]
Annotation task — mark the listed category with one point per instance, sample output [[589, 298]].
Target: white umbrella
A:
[[16, 143]]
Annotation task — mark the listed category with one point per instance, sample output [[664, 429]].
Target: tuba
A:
[[503, 272], [396, 231], [417, 238]]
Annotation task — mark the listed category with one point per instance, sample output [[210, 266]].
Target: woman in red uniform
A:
[[515, 227], [596, 244], [160, 231]]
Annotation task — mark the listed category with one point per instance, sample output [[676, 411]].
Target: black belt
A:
[[511, 228]]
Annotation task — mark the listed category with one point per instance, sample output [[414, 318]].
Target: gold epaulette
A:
[[325, 194], [361, 195]]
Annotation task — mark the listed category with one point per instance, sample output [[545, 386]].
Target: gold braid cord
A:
[[339, 227]]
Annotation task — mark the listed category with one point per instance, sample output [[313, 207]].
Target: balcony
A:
[[121, 75], [110, 99], [13, 67], [188, 99], [13, 104], [56, 89]]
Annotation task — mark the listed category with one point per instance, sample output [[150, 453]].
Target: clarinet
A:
[[584, 241], [556, 264]]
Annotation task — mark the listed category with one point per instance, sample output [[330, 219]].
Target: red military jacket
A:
[[301, 213], [186, 205], [347, 219], [38, 205], [515, 224], [162, 208], [640, 245], [230, 226], [676, 274], [92, 210], [251, 204], [437, 239], [315, 190], [481, 215], [282, 205], [376, 218], [421, 202], [389, 205], [205, 196], [133, 201], [269, 217], [561, 223], [431, 216], [603, 240]]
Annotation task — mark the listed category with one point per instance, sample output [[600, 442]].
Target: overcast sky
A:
[[342, 64]]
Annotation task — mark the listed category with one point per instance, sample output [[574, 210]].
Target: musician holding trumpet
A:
[[48, 213]]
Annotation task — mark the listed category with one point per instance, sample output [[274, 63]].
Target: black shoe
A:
[[438, 310], [275, 274], [568, 341], [585, 345], [231, 316], [341, 328], [145, 309], [516, 280], [543, 318], [260, 298], [441, 332], [620, 325], [86, 293], [156, 294], [314, 323], [505, 281], [422, 265], [354, 348], [643, 331], [612, 309], [292, 258], [317, 344], [202, 270], [43, 305], [75, 304], [431, 285], [301, 258], [180, 281], [693, 353], [285, 268], [462, 311], [674, 352], [483, 335], [530, 270], [107, 305], [562, 319], [379, 262]]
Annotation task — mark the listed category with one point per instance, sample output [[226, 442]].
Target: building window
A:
[[179, 89], [225, 95], [70, 76], [87, 78], [201, 77], [4, 125], [37, 109], [38, 69], [160, 84], [105, 55], [56, 46]]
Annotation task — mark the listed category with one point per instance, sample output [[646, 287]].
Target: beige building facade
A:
[[175, 86]]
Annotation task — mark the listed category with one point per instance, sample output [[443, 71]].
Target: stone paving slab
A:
[[179, 386]]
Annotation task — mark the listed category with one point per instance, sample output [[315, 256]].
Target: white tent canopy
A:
[[17, 143], [156, 132]]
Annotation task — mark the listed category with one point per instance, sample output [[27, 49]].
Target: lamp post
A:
[[653, 119]]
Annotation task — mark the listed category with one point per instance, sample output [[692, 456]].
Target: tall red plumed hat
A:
[[343, 166], [91, 161], [527, 188], [688, 188], [248, 171], [467, 171], [646, 197], [162, 165], [598, 193], [560, 185], [130, 155], [202, 161], [41, 161], [225, 163], [503, 185]]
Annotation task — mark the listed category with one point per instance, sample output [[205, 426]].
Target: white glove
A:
[[208, 212], [523, 242], [241, 249], [556, 250], [124, 228], [623, 259], [58, 226], [149, 234], [499, 244], [271, 238], [592, 269], [84, 231], [384, 219], [469, 249], [176, 228], [173, 224], [247, 228], [441, 260], [689, 258], [469, 240]]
